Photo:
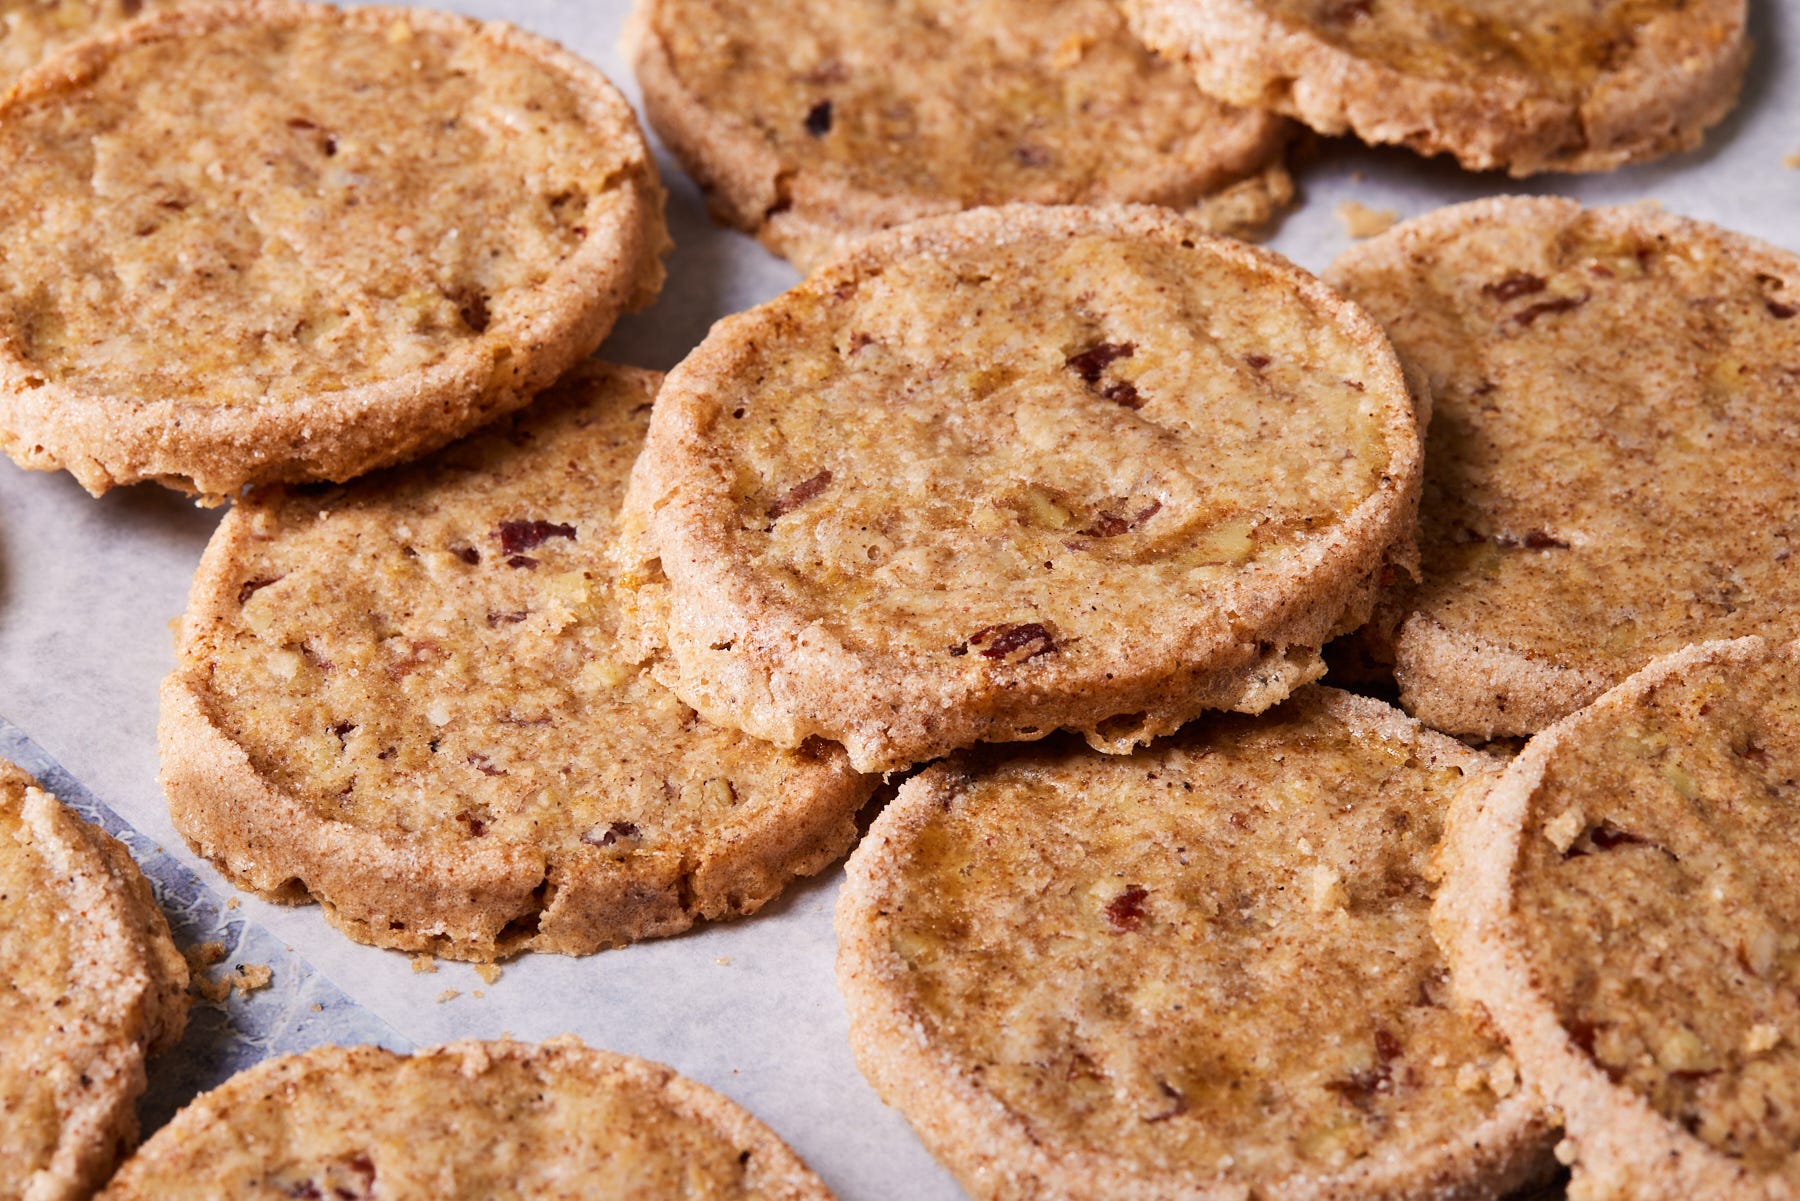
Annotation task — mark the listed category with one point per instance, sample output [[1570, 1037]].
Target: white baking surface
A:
[[89, 587]]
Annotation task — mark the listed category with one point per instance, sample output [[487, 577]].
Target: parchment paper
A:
[[88, 589]]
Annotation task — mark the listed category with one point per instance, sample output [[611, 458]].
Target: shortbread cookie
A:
[[1553, 85], [1202, 972], [90, 984], [813, 124], [249, 242], [408, 698], [1017, 469], [471, 1121], [1609, 472], [30, 30], [1624, 905]]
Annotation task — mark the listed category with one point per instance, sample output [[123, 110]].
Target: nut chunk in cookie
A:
[[410, 699], [1609, 473], [1203, 971], [470, 1121], [264, 241], [1019, 469], [813, 123], [90, 985], [1624, 904]]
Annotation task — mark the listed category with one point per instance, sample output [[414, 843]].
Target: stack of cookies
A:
[[503, 648]]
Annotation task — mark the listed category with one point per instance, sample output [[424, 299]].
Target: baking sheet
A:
[[88, 589]]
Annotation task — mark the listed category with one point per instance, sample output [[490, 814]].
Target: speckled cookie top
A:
[[351, 227], [1609, 464], [936, 104], [468, 1121], [1656, 898], [1019, 445], [31, 29], [1205, 966], [432, 655], [89, 983]]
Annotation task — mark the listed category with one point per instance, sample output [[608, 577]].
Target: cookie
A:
[[408, 698], [1624, 905], [1561, 85], [470, 1120], [1016, 469], [814, 124], [265, 241], [90, 985], [1202, 971], [30, 30], [1606, 478]]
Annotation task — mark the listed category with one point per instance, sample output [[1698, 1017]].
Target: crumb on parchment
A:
[[1361, 221]]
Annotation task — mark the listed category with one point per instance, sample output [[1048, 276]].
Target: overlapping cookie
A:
[[31, 30], [1609, 473], [409, 699], [90, 985], [1201, 971], [1625, 907], [1557, 85], [261, 241], [816, 123], [1019, 469], [471, 1121]]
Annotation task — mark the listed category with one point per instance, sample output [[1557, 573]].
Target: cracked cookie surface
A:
[[308, 241], [1017, 469], [1608, 468], [470, 1121], [1623, 903], [1540, 85], [90, 985], [409, 698], [1200, 971], [813, 124]]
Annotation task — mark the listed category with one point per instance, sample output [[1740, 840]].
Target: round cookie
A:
[[1553, 85], [1201, 972], [409, 699], [1605, 476], [31, 30], [471, 1121], [1015, 469], [814, 124], [1624, 905], [261, 241], [90, 985]]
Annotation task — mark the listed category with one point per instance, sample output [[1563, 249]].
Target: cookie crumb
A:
[[1503, 1077], [723, 961], [1325, 892], [489, 973], [231, 902], [478, 994], [251, 977], [200, 957], [1566, 1152], [1762, 1037], [449, 994], [1564, 829], [1792, 161], [1470, 1079], [317, 1008], [1361, 221], [424, 964]]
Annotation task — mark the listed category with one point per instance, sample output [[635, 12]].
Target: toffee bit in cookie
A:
[[1006, 641], [250, 588], [799, 494], [1091, 363], [517, 536], [1125, 912], [612, 835], [1257, 362], [818, 119], [467, 554], [1125, 394], [1562, 304], [1781, 312], [524, 561], [1515, 285]]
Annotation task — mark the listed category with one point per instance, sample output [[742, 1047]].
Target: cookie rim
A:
[[1659, 105], [681, 1097], [810, 217], [1327, 584], [1491, 968], [1433, 662], [105, 439], [997, 1155], [127, 938], [457, 903]]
